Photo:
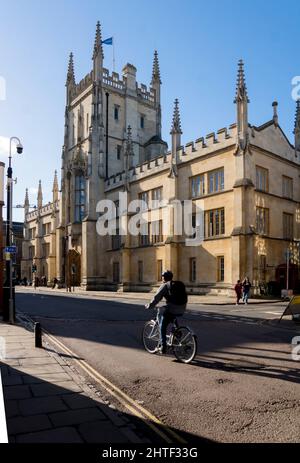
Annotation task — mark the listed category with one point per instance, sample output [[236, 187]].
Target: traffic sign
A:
[[11, 249]]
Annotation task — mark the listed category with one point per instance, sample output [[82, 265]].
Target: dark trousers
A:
[[165, 318]]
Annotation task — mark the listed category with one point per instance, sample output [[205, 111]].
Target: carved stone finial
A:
[[98, 42], [241, 88], [176, 124], [71, 73], [156, 70]]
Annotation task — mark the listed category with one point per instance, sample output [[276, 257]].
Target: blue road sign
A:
[[11, 249]]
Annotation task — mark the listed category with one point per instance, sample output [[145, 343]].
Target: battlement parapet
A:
[[44, 210], [138, 172], [113, 80], [211, 142], [85, 83], [145, 94]]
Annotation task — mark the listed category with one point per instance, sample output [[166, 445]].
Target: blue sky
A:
[[199, 45]]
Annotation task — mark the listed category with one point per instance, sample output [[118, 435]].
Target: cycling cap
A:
[[168, 275]]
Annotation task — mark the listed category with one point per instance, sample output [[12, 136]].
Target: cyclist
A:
[[172, 309]]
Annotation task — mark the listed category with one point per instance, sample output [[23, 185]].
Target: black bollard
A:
[[38, 335]]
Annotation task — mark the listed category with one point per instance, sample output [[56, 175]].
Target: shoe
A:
[[162, 350]]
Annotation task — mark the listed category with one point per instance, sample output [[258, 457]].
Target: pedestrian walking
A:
[[55, 281], [246, 289], [238, 291]]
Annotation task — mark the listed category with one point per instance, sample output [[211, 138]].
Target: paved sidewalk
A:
[[46, 401], [193, 299]]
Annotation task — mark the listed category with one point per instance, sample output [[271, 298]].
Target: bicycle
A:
[[181, 339]]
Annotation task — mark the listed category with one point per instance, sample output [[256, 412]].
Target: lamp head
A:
[[19, 148]]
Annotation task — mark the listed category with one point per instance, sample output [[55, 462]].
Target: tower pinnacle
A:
[[40, 195], [71, 73], [241, 100], [176, 124], [241, 89], [98, 42], [156, 70], [26, 202], [297, 126], [55, 187]]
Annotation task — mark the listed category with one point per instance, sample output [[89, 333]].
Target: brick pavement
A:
[[47, 402]]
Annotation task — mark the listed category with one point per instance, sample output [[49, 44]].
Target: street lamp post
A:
[[9, 227]]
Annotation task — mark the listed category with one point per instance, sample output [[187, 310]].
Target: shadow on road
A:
[[224, 342], [40, 411]]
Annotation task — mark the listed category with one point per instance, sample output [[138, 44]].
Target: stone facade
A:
[[244, 178]]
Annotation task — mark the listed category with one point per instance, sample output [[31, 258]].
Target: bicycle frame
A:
[[174, 326]]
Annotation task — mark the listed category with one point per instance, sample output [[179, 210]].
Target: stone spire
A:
[[297, 126], [98, 55], [176, 123], [70, 83], [176, 133], [55, 188], [26, 203], [156, 85], [71, 73], [241, 101], [40, 195], [241, 88], [156, 70]]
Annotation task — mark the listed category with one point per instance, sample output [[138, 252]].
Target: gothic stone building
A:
[[245, 179]]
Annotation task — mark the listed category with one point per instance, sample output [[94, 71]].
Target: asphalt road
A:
[[242, 387]]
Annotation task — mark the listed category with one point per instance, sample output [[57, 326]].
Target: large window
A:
[[145, 234], [79, 198], [262, 221], [287, 187], [215, 223], [221, 268], [144, 197], [288, 226], [32, 232], [46, 228], [197, 186], [157, 235], [31, 252], [216, 181], [156, 196], [116, 240], [262, 180]]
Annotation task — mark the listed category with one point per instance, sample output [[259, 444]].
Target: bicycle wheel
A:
[[151, 336], [184, 345]]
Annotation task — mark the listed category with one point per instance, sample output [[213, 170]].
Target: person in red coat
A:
[[238, 291]]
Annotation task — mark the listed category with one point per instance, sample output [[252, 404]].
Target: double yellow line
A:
[[131, 405]]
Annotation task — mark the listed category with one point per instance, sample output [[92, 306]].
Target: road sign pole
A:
[[287, 269]]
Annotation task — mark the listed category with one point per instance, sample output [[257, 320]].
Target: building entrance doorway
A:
[[73, 268]]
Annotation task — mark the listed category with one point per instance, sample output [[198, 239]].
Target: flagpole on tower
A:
[[114, 61]]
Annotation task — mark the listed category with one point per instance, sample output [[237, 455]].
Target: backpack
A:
[[178, 294]]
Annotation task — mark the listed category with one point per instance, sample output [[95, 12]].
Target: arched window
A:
[[79, 198]]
